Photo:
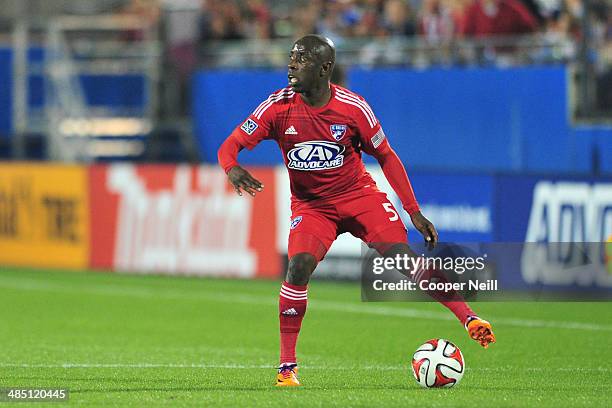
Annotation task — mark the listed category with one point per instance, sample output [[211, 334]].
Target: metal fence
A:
[[73, 48]]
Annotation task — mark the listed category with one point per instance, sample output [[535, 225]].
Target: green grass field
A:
[[144, 341]]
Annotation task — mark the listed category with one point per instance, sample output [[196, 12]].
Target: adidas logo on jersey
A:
[[291, 131], [290, 312]]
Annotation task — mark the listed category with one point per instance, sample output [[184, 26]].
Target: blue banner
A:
[[460, 206], [6, 92], [222, 100], [477, 119], [542, 211]]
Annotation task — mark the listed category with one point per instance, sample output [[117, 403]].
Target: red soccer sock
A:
[[451, 299], [460, 309], [291, 309]]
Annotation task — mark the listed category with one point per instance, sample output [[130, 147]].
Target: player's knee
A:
[[300, 268]]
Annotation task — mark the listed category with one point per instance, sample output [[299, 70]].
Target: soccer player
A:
[[322, 129]]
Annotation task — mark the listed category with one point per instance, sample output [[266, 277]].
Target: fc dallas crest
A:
[[338, 131]]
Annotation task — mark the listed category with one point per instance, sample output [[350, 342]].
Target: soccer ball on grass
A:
[[438, 363]]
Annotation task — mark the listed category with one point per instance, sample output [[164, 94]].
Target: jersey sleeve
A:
[[374, 142], [372, 137], [257, 127]]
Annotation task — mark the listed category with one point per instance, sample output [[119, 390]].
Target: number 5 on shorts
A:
[[389, 208]]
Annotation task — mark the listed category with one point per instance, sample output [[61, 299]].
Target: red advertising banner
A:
[[181, 220]]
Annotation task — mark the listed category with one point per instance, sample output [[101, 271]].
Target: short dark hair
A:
[[320, 46]]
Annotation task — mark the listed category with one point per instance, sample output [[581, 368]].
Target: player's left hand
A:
[[426, 228]]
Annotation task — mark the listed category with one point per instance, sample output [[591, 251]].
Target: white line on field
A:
[[237, 297], [264, 366]]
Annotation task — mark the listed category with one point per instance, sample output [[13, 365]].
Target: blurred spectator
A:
[[398, 18], [383, 49], [437, 20], [340, 17], [147, 11], [457, 10], [304, 19], [498, 17], [535, 8], [330, 24], [368, 24], [559, 38], [608, 30], [258, 19], [385, 24], [574, 7], [221, 20]]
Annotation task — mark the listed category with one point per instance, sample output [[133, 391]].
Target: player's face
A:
[[303, 68]]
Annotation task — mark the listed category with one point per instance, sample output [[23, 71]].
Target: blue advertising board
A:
[[223, 100], [460, 206], [476, 119], [561, 226], [6, 92], [542, 234]]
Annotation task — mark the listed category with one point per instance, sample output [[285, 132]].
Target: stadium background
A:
[[111, 113], [109, 86]]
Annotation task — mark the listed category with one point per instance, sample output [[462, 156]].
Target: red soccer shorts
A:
[[367, 214]]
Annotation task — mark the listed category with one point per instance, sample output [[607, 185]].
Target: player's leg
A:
[[292, 304], [478, 329], [309, 239], [377, 223], [451, 299]]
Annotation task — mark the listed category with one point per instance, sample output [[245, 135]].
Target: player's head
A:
[[311, 62]]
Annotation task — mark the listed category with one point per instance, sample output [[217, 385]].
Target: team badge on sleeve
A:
[[338, 131], [249, 126], [295, 221], [378, 138]]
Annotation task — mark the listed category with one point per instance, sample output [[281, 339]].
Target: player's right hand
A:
[[242, 180]]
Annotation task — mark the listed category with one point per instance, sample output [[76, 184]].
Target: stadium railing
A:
[[419, 52], [72, 61]]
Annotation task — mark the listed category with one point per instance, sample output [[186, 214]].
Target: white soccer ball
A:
[[438, 363]]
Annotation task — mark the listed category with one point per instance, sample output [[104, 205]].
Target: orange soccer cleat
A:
[[480, 330], [287, 376]]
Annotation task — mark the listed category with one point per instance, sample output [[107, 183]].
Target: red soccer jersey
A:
[[321, 146]]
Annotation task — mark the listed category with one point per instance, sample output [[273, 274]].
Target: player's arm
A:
[[375, 143], [396, 175], [248, 134], [240, 178]]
